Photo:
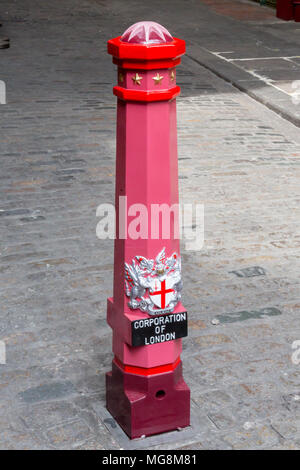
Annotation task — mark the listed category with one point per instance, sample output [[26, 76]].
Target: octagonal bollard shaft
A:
[[145, 391]]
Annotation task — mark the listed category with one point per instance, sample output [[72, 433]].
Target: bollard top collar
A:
[[146, 40]]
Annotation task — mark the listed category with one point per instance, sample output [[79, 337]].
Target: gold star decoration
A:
[[137, 79], [157, 79], [172, 76], [121, 77]]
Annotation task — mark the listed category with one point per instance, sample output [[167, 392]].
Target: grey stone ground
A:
[[57, 164]]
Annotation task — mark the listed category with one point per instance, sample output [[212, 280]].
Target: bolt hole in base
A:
[[160, 394]]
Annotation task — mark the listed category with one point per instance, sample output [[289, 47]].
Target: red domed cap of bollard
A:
[[146, 46], [146, 32], [146, 40]]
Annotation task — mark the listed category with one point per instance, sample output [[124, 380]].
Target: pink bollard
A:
[[145, 391]]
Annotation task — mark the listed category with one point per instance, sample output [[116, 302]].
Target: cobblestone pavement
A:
[[246, 44], [57, 165]]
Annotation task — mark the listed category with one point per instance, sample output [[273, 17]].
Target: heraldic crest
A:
[[154, 286]]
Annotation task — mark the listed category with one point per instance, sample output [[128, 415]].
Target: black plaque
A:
[[159, 329]]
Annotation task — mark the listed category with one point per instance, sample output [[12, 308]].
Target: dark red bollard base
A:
[[285, 10], [297, 12], [147, 405]]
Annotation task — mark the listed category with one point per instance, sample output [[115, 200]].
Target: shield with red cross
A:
[[162, 292]]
